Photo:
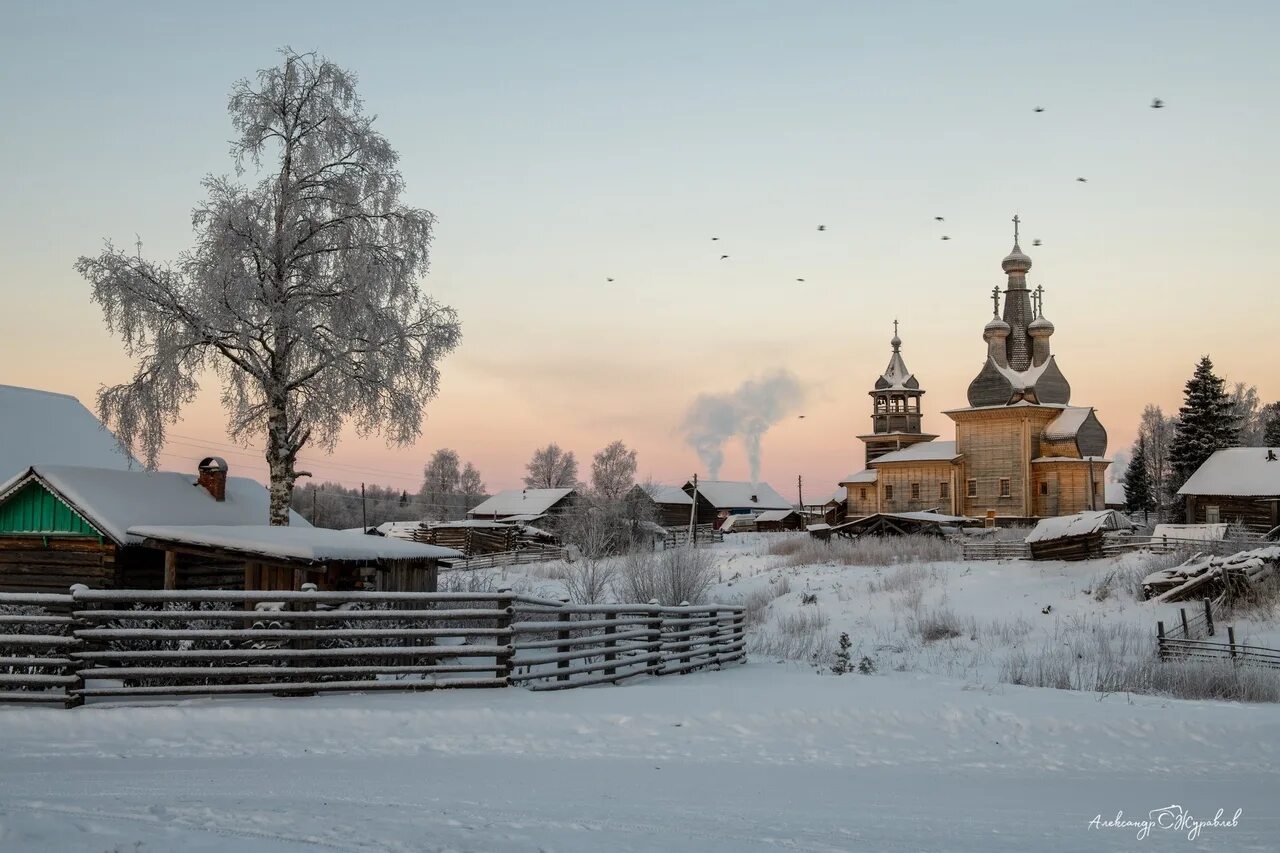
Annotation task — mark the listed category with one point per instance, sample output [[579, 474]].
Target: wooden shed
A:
[[670, 506], [775, 520], [65, 524], [1074, 537], [1237, 485], [284, 558]]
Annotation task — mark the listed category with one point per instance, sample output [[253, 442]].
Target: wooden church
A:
[[1021, 450]]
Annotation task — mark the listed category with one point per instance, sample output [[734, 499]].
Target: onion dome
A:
[[1016, 261], [1040, 328], [996, 328]]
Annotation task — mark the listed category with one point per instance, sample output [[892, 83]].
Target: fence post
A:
[[505, 641], [1186, 629], [301, 643], [655, 636], [1231, 640], [610, 644], [1160, 641], [687, 657], [564, 617], [74, 696], [1208, 616]]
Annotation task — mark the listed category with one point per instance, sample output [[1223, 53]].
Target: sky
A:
[[563, 144]]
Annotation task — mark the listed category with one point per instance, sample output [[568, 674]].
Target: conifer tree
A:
[[1206, 423], [1271, 429], [1137, 484]]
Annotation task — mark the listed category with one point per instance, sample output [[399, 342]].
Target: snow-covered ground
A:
[[931, 752]]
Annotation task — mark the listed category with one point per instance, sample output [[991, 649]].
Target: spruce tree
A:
[[1137, 484], [1271, 429], [1206, 423]]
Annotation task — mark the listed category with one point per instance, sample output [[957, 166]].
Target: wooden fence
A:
[[1167, 545], [1188, 639], [678, 537], [990, 550], [520, 557], [101, 643]]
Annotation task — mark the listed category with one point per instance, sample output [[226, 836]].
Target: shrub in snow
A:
[[844, 662], [808, 598], [671, 576], [866, 666], [933, 625]]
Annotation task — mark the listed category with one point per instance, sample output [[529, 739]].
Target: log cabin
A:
[[1239, 485], [528, 505], [720, 499]]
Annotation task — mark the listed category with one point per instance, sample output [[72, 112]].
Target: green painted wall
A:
[[34, 509]]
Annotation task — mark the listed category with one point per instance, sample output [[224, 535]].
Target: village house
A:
[[1021, 451], [669, 506], [719, 499], [1239, 485], [527, 505]]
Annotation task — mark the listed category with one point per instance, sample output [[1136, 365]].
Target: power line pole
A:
[[314, 489], [693, 512], [800, 490], [364, 514]]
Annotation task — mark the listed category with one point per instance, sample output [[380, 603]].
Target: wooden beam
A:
[[170, 569]]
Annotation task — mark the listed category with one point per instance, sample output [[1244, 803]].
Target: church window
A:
[[971, 488], [1044, 488], [862, 494], [888, 493], [1005, 487], [915, 491], [944, 489]]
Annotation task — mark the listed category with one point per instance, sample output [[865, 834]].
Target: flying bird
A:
[[1035, 242], [801, 281], [1038, 109], [801, 417], [715, 238], [822, 228], [608, 279], [945, 237], [1157, 104], [1083, 180], [722, 257], [938, 219]]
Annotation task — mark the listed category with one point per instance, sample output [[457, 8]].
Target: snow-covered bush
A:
[[589, 580], [671, 576]]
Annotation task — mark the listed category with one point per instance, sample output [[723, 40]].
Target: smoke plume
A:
[[746, 412]]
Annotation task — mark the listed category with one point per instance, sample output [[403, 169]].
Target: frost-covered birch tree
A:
[[300, 294]]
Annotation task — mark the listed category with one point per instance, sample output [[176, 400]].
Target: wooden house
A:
[[64, 524], [44, 428], [1237, 485], [669, 506], [527, 505], [719, 499]]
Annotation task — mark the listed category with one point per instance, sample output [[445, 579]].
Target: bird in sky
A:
[[1035, 242], [939, 219], [1157, 104], [945, 237], [801, 417], [822, 228], [723, 257], [801, 281], [608, 279], [1083, 180], [715, 238], [1039, 109]]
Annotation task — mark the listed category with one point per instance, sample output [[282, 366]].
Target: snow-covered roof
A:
[[925, 451], [44, 428], [1237, 471], [1114, 493], [1080, 524], [667, 494], [1066, 425], [114, 501], [531, 502], [307, 544], [730, 494], [399, 529], [1191, 532], [867, 475], [775, 515]]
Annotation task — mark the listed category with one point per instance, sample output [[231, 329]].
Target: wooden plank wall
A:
[[53, 564]]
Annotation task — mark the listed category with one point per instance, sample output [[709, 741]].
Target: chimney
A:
[[755, 499], [213, 476]]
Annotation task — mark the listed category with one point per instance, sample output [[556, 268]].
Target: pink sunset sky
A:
[[565, 146]]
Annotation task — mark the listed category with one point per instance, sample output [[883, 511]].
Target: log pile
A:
[[1204, 576]]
